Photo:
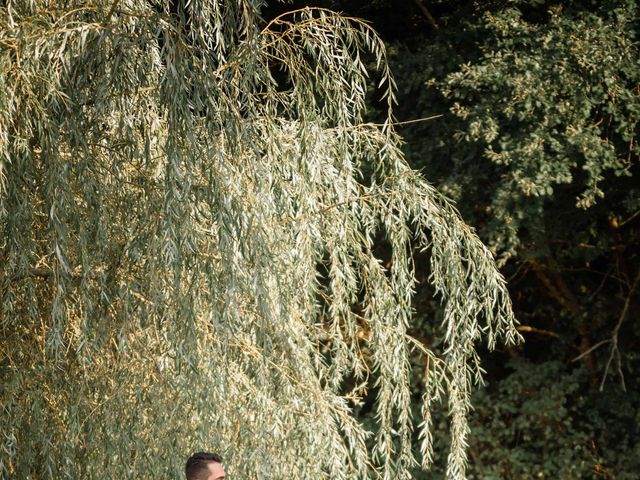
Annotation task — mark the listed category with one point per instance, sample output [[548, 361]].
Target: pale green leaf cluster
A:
[[550, 104], [187, 257]]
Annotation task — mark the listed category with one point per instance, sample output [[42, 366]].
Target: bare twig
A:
[[593, 348], [426, 13], [614, 353], [45, 273], [624, 222], [558, 289], [523, 265], [417, 120], [113, 8], [530, 329], [393, 124]]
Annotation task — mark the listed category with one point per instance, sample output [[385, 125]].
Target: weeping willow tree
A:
[[189, 203]]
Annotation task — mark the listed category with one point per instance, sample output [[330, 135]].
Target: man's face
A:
[[217, 472]]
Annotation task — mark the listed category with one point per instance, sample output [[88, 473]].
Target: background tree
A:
[[188, 248]]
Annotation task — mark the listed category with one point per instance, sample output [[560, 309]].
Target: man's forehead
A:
[[217, 472]]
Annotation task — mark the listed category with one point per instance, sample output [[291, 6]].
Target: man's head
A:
[[204, 466]]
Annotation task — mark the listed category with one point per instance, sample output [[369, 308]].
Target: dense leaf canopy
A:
[[189, 200]]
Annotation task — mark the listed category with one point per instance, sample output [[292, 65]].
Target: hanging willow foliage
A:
[[188, 210]]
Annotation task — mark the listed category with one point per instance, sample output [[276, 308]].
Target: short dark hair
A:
[[197, 467]]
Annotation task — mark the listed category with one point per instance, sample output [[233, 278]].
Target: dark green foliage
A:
[[529, 427], [541, 112], [540, 420]]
